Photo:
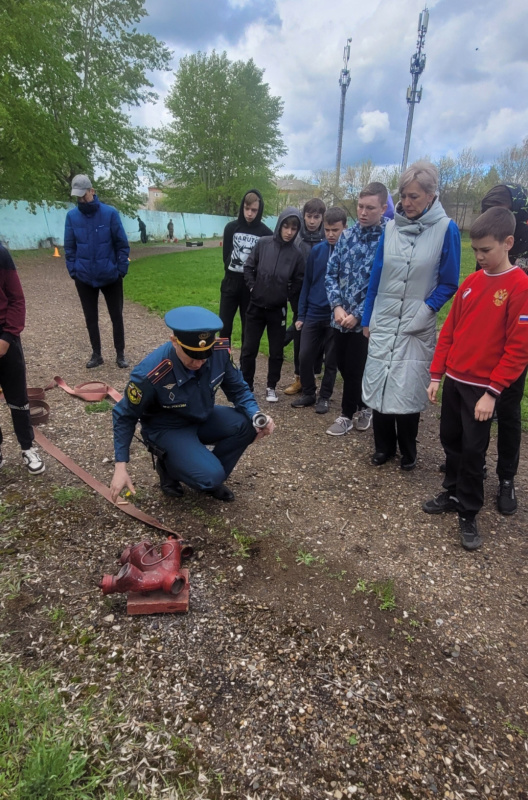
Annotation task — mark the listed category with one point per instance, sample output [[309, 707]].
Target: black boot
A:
[[168, 485], [95, 361], [121, 361]]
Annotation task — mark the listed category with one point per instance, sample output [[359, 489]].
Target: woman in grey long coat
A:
[[415, 271]]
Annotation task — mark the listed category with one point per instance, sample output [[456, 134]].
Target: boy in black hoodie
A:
[[311, 233], [273, 272], [240, 236]]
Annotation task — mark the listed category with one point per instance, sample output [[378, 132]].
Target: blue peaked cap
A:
[[194, 328]]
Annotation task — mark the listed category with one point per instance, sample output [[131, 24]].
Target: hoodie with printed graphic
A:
[[240, 236]]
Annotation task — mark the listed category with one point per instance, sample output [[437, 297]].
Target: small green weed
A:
[[414, 623], [57, 614], [361, 586], [353, 740], [516, 729], [68, 494], [98, 408], [384, 591], [6, 511], [303, 557], [244, 542]]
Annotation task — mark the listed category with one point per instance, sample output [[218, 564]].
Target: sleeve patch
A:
[[134, 394]]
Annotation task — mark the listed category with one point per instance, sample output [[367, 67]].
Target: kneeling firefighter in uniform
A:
[[172, 392]]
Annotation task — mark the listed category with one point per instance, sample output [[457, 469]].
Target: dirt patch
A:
[[286, 679]]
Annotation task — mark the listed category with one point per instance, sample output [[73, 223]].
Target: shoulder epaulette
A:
[[160, 371], [222, 344]]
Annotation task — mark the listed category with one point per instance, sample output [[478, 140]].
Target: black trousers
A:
[[396, 429], [509, 429], [234, 296], [89, 297], [351, 355], [465, 442], [13, 383], [314, 336], [257, 320]]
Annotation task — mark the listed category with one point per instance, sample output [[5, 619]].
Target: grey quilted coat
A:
[[402, 325]]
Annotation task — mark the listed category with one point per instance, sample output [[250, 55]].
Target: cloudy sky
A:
[[474, 84]]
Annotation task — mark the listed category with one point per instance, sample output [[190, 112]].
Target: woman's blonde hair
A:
[[425, 173]]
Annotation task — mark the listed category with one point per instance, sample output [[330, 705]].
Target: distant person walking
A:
[[97, 251], [170, 230], [142, 231]]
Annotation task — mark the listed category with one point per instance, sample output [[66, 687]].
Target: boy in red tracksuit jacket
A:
[[482, 349]]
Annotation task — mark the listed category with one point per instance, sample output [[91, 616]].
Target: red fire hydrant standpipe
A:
[[154, 581]]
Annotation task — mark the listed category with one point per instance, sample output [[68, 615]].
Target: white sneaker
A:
[[33, 461], [363, 419], [341, 426], [271, 395]]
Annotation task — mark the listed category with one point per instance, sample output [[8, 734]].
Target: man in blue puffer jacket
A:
[[97, 251]]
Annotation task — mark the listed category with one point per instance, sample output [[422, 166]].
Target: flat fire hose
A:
[[93, 391]]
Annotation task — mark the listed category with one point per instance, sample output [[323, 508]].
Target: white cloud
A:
[[472, 84], [374, 126]]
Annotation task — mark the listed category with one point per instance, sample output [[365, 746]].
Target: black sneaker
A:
[[506, 499], [440, 504], [469, 535], [322, 406], [222, 493], [95, 361], [303, 401], [121, 361], [168, 485]]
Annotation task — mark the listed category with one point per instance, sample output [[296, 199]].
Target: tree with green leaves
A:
[[224, 136], [69, 72]]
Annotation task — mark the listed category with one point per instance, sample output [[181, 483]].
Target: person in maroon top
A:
[[12, 364]]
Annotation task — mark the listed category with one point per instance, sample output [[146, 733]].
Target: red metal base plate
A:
[[159, 602]]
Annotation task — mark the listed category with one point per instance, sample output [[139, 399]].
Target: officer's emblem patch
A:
[[500, 296], [171, 396], [169, 386], [134, 394]]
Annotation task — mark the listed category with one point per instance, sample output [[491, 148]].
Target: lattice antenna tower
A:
[[344, 83], [414, 95]]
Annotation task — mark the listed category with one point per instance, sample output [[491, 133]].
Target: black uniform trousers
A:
[[314, 336], [13, 383], [509, 428], [465, 441], [351, 355], [234, 296], [396, 429], [257, 320], [89, 297]]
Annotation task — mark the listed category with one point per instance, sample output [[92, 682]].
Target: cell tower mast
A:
[[414, 95], [344, 82]]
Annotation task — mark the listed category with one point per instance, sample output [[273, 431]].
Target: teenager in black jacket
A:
[[240, 236], [274, 273]]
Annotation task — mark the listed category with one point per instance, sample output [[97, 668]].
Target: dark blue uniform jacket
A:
[[162, 393]]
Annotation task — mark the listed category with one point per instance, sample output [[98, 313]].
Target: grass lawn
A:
[[182, 279]]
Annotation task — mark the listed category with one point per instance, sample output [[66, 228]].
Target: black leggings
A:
[[13, 383], [89, 297]]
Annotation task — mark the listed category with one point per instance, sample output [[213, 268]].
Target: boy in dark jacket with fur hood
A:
[[273, 273], [240, 237]]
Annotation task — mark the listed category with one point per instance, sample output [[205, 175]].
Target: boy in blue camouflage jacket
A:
[[347, 280]]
